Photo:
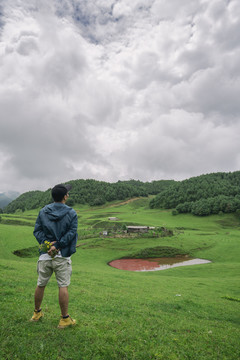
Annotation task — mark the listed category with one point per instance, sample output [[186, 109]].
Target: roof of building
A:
[[137, 227]]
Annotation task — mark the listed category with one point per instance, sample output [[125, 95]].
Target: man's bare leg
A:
[[63, 300], [39, 292]]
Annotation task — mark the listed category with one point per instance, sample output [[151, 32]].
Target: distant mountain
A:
[[7, 197]]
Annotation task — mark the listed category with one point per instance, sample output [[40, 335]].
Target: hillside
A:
[[183, 313], [91, 192], [202, 195], [7, 197]]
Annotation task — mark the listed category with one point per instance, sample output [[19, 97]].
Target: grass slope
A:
[[180, 313]]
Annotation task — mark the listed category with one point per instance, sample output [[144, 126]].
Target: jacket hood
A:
[[56, 211]]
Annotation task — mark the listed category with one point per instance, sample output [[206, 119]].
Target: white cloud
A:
[[117, 89]]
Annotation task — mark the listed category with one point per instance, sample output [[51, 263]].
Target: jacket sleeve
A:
[[38, 231], [69, 235]]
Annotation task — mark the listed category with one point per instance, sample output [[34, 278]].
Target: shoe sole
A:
[[65, 326], [33, 320]]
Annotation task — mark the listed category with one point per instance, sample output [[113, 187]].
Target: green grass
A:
[[182, 313], [157, 252]]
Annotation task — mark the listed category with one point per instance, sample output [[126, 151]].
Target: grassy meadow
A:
[[182, 313]]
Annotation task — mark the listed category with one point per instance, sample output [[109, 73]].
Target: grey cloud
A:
[[223, 24], [193, 60], [42, 141], [209, 90], [147, 69], [179, 145], [59, 70], [175, 9], [26, 42], [26, 46]]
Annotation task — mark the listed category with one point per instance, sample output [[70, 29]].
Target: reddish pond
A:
[[155, 264]]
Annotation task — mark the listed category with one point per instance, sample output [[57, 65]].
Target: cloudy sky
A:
[[117, 89]]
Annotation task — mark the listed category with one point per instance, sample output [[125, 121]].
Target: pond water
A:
[[155, 264]]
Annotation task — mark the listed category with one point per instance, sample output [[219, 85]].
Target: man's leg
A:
[[39, 292], [63, 300], [63, 271], [65, 320], [44, 270]]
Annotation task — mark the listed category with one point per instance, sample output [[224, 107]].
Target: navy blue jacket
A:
[[57, 222]]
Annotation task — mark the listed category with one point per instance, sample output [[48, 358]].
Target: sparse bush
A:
[[70, 202], [238, 213]]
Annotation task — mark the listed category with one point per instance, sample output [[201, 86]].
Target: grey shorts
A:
[[62, 268]]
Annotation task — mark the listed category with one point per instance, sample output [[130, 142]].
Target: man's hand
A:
[[52, 251]]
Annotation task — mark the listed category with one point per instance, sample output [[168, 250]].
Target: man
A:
[[57, 224]]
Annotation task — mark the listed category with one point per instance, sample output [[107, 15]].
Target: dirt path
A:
[[109, 206], [124, 202]]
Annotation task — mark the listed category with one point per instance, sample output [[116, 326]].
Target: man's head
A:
[[60, 192]]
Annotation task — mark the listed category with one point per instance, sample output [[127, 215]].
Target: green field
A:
[[182, 313]]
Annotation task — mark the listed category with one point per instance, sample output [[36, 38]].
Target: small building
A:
[[137, 229], [113, 218], [104, 233]]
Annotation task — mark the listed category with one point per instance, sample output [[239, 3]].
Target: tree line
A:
[[202, 195], [91, 192]]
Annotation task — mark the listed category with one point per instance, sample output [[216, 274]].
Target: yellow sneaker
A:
[[37, 315], [63, 323]]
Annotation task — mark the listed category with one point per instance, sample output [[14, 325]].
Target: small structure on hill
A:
[[137, 229], [104, 233], [113, 219]]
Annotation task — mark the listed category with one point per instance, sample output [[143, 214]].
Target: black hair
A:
[[59, 191]]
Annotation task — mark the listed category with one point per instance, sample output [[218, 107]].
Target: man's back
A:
[[57, 222]]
